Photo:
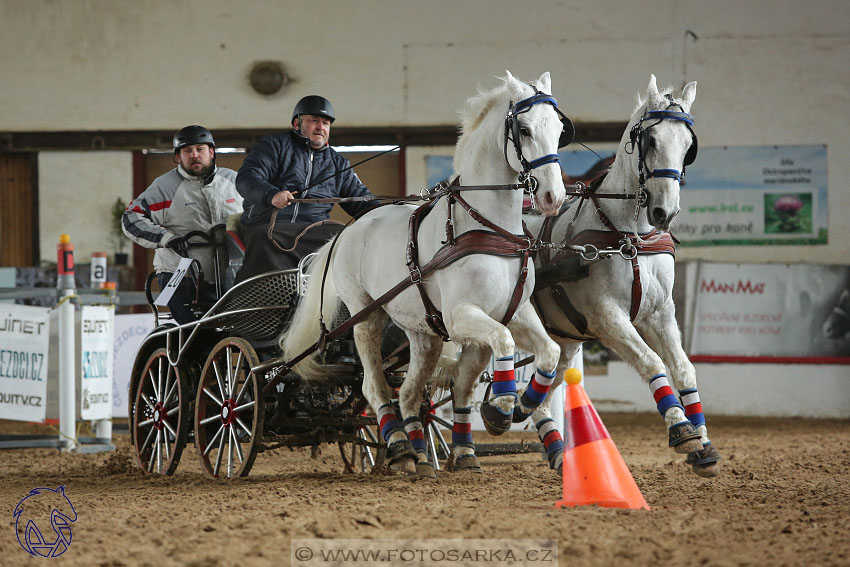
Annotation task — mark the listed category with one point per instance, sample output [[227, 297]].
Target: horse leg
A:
[[469, 324], [615, 330], [530, 335], [662, 334], [465, 373], [548, 432], [424, 353], [367, 337]]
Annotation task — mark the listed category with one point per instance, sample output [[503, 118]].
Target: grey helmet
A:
[[316, 105], [191, 135]]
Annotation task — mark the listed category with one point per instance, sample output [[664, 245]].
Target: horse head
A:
[[661, 138], [535, 127], [524, 124]]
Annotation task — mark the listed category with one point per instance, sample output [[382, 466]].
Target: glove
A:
[[179, 245]]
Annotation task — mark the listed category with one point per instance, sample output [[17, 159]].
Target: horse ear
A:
[[689, 93], [653, 98], [513, 84], [544, 83]]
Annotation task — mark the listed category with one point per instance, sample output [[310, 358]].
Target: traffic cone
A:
[[594, 470]]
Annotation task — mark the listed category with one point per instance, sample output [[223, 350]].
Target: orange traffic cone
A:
[[594, 470]]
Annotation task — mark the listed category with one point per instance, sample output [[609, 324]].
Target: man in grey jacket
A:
[[194, 196], [282, 167]]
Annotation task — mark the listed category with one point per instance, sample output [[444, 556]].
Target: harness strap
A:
[[663, 244], [578, 320], [498, 242], [270, 232]]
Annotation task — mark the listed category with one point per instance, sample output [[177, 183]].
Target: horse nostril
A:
[[659, 215], [548, 200]]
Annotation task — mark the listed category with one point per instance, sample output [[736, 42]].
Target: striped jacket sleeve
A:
[[145, 214]]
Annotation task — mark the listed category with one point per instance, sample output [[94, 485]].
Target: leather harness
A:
[[654, 242], [499, 242]]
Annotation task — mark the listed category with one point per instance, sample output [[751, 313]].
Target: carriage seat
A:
[[235, 251], [235, 256]]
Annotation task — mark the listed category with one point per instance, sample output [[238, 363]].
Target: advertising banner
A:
[[130, 331], [755, 195], [24, 346], [96, 362], [771, 310]]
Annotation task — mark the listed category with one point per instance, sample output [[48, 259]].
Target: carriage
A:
[[183, 390]]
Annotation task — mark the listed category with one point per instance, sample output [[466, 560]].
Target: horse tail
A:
[[445, 373], [304, 329]]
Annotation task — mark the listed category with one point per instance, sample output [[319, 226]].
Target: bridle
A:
[[512, 134], [639, 136]]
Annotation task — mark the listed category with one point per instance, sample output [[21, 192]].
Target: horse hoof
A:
[[707, 471], [406, 465], [401, 456], [463, 463], [496, 422], [519, 416], [684, 438], [705, 461], [424, 470]]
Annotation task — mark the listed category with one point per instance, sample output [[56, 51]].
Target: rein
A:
[[425, 195]]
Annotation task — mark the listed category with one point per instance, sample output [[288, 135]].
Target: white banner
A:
[[773, 310], [24, 344], [165, 295], [130, 332], [96, 362]]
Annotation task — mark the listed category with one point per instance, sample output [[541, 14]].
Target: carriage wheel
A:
[[361, 456], [161, 417], [229, 410]]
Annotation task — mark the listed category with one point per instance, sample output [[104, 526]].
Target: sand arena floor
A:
[[783, 498]]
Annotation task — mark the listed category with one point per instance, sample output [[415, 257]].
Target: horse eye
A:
[[525, 132]]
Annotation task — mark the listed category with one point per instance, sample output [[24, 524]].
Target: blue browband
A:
[[525, 105], [670, 115], [534, 99]]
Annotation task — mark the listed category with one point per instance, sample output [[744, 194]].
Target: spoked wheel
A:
[[229, 410], [434, 441], [161, 417], [363, 453]]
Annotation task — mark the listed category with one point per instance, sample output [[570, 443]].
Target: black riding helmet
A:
[[191, 135], [316, 105]]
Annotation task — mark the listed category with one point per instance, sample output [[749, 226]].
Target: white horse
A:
[[637, 323], [630, 308], [473, 292]]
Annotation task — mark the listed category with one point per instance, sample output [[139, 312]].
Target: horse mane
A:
[[479, 105]]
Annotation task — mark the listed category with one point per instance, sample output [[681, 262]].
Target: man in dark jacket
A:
[[282, 167]]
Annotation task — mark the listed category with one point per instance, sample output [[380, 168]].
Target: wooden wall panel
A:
[[18, 210]]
